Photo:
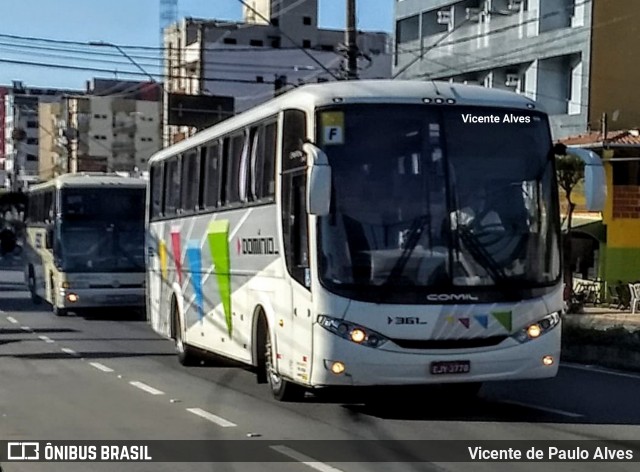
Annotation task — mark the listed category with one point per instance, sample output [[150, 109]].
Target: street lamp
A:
[[111, 45]]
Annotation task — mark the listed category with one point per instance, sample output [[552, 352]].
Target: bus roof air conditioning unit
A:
[[473, 14], [512, 80]]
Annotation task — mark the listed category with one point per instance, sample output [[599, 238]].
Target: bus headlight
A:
[[535, 330], [352, 332]]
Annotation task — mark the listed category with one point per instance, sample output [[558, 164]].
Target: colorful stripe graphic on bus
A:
[[194, 258], [162, 253], [176, 247], [218, 236], [483, 320], [504, 318]]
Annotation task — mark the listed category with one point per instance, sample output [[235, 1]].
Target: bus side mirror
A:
[[595, 182], [318, 181]]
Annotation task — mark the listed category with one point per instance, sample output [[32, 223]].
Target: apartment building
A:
[[98, 134], [575, 57], [20, 123], [249, 60]]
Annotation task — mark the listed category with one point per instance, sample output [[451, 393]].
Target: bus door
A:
[[295, 229], [157, 272]]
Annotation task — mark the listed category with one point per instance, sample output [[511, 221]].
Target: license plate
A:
[[450, 367]]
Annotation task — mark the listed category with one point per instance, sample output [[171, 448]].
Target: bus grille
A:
[[449, 343]]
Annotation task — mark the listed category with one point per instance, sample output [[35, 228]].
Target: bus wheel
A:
[[31, 282], [186, 355], [281, 389]]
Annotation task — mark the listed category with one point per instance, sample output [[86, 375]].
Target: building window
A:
[[230, 41], [306, 20], [408, 29], [256, 42], [275, 21], [32, 140], [306, 43], [32, 124], [275, 43], [32, 157]]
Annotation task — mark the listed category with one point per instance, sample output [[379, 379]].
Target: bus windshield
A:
[[101, 230], [426, 198]]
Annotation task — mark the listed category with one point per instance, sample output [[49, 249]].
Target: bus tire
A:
[[282, 390], [31, 283], [187, 356], [59, 311]]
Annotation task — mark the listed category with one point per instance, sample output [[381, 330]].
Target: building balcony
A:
[[123, 146]]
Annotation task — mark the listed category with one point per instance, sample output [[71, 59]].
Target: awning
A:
[[587, 224]]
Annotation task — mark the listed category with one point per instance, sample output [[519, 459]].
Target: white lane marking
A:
[[600, 370], [25, 328], [306, 460], [211, 417], [46, 339], [101, 367], [71, 352], [147, 388], [542, 408], [11, 319]]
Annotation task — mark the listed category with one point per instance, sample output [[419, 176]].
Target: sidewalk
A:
[[602, 317]]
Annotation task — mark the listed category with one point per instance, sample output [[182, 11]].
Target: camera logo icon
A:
[[23, 451]]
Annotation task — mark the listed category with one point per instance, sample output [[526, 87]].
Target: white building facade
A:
[[540, 48], [245, 60]]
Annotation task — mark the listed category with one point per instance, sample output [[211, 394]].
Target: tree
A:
[[570, 172]]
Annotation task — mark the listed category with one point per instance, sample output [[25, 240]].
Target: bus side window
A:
[[294, 184], [190, 177], [254, 149], [171, 187], [234, 148], [263, 162], [211, 170], [156, 190]]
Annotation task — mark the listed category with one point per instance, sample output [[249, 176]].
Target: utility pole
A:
[[352, 46]]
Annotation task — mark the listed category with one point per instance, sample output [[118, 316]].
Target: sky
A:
[[125, 23]]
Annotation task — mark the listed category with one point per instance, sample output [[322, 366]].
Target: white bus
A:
[[85, 242], [365, 233]]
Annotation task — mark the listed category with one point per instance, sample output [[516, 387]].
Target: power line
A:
[[130, 73]]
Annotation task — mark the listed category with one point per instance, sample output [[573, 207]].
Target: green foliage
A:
[[617, 336], [570, 172]]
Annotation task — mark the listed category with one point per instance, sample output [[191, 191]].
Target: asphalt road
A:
[[111, 378]]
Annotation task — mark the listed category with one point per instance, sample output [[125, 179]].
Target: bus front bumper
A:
[[391, 365], [97, 298]]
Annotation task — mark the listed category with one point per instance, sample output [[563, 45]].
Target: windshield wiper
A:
[[481, 255], [415, 232]]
